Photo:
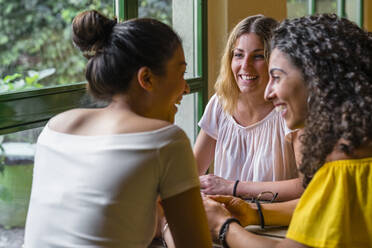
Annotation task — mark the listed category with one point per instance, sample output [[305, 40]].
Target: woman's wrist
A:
[[235, 188], [222, 234], [234, 233], [254, 218], [228, 188], [217, 228]]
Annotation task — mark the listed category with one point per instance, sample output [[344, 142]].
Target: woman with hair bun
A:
[[321, 74], [98, 172]]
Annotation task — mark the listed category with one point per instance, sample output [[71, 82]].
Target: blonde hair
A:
[[226, 87]]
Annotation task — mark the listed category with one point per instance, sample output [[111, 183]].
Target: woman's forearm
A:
[[204, 149], [277, 214], [286, 189], [238, 237]]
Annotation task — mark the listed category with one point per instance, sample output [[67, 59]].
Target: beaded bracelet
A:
[[224, 229]]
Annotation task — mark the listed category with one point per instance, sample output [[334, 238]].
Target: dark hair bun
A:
[[90, 30], [117, 50]]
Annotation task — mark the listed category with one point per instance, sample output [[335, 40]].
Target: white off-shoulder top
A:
[[259, 152], [101, 191]]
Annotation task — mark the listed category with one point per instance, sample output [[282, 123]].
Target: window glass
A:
[[16, 165], [178, 14], [326, 6], [351, 10], [297, 8], [158, 9], [35, 42], [186, 116]]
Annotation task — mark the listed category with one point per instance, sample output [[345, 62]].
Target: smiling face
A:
[[287, 90], [248, 64], [170, 87]]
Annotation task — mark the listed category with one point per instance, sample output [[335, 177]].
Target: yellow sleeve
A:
[[335, 209]]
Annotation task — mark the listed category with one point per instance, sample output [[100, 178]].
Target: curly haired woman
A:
[[321, 78]]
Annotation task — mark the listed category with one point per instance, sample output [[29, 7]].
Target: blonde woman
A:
[[252, 148]]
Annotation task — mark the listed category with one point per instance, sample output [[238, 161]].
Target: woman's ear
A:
[[145, 78]]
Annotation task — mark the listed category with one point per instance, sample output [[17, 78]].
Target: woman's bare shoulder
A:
[[102, 122], [144, 124], [67, 121], [363, 151]]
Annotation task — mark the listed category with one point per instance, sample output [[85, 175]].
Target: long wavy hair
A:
[[335, 57], [226, 88]]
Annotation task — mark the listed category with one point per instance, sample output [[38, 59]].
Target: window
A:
[[35, 47], [351, 9], [297, 8], [326, 6], [16, 166]]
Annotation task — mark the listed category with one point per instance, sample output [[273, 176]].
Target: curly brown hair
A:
[[335, 57]]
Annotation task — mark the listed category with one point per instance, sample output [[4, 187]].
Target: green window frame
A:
[[341, 9], [33, 108]]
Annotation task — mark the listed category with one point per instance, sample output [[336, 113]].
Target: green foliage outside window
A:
[[158, 9], [297, 8], [35, 35]]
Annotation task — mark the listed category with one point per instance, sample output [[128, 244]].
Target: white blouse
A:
[[259, 152]]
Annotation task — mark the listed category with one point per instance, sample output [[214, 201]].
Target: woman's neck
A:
[[130, 103], [364, 151], [250, 110]]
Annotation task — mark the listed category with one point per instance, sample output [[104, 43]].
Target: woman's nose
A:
[[269, 92], [246, 63]]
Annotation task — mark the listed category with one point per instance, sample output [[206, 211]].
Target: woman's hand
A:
[[214, 185], [238, 208], [216, 215]]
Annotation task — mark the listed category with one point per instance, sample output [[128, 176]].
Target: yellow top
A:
[[336, 208]]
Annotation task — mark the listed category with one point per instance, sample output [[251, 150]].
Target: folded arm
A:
[[275, 214], [286, 189], [236, 235]]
